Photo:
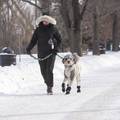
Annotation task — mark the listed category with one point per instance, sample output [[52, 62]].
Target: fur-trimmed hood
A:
[[46, 18]]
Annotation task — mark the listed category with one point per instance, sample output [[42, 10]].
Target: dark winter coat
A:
[[42, 36]]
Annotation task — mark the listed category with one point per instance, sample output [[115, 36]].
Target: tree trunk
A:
[[45, 4], [115, 39], [95, 34], [75, 41], [76, 27], [72, 17]]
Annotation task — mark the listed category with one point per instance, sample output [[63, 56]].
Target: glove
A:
[[54, 51], [28, 51]]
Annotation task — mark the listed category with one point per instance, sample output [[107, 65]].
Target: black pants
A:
[[46, 67]]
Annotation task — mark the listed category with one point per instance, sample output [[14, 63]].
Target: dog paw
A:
[[63, 87], [78, 89], [68, 90]]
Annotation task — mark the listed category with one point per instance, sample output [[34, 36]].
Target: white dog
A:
[[71, 72]]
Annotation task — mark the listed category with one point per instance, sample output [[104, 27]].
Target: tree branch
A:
[[31, 3], [64, 12], [83, 10], [22, 14]]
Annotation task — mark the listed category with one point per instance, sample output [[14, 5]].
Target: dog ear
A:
[[76, 57], [63, 60], [75, 60]]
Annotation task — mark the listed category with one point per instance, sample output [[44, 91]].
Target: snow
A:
[[23, 92]]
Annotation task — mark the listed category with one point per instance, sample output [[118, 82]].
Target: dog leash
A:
[[42, 59], [60, 56]]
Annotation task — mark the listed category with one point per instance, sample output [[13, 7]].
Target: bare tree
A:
[[11, 15], [43, 6], [72, 17], [95, 33], [103, 33], [115, 39]]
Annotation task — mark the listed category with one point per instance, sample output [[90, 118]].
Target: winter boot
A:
[[63, 87], [49, 91], [68, 90], [78, 89]]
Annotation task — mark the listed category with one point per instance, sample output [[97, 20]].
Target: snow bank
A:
[[26, 74], [90, 63]]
